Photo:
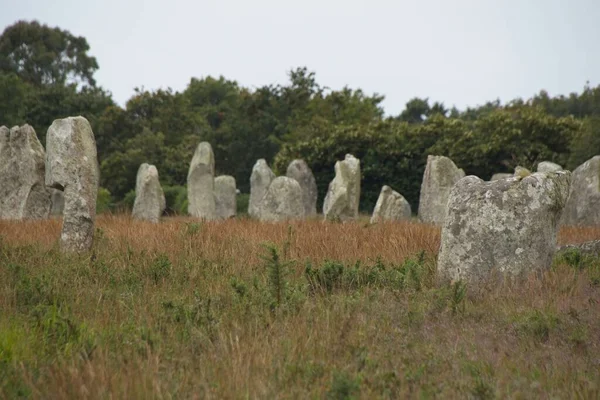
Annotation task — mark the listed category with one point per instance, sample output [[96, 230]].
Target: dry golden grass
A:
[[184, 310]]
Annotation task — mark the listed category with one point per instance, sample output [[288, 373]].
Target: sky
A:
[[460, 52]]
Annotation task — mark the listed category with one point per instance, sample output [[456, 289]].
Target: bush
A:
[[104, 201], [242, 201], [176, 197]]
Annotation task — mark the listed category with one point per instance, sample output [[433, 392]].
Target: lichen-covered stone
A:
[[521, 172], [583, 206], [343, 196], [391, 206], [201, 183], [225, 196], [23, 194], [300, 171], [72, 165], [501, 175], [282, 201], [150, 200], [438, 179], [507, 226], [547, 166], [260, 179]]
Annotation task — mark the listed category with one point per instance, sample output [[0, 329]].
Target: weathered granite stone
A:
[[501, 175], [521, 172], [261, 178], [282, 201], [343, 196], [72, 165], [201, 183], [547, 166], [150, 200], [438, 179], [225, 196], [299, 170], [23, 194], [506, 227], [391, 206], [58, 202], [583, 206]]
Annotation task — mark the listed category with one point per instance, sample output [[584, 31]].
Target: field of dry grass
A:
[[240, 309]]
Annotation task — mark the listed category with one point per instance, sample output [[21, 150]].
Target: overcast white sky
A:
[[461, 52]]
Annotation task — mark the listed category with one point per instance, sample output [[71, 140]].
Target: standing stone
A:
[[501, 175], [23, 193], [391, 206], [547, 166], [225, 196], [440, 176], [343, 196], [282, 201], [299, 170], [507, 226], [149, 196], [201, 183], [261, 178], [583, 206], [72, 165], [58, 202]]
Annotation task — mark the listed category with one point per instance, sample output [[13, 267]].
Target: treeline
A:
[[47, 73]]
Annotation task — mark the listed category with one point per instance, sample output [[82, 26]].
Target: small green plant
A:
[[457, 300], [192, 228], [276, 271], [538, 325], [343, 386], [160, 268]]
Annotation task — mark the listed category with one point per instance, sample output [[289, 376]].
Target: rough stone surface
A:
[[391, 206], [282, 201], [547, 166], [438, 179], [521, 172], [225, 196], [201, 183], [299, 170], [261, 178], [149, 196], [501, 175], [583, 206], [72, 165], [507, 227], [23, 194], [58, 202], [343, 196]]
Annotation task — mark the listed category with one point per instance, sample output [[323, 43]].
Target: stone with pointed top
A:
[[261, 178], [440, 175], [343, 196], [201, 183], [391, 206], [150, 200]]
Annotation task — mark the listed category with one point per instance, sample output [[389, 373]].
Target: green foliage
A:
[[538, 325], [104, 201], [276, 272], [176, 198], [343, 386], [241, 203]]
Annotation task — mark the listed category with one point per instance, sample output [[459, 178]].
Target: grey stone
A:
[[72, 166], [391, 206], [506, 227], [583, 206], [438, 179], [23, 194], [58, 202], [299, 170], [343, 195], [261, 178], [547, 166], [201, 183], [501, 175], [225, 196], [521, 172], [150, 200], [282, 201]]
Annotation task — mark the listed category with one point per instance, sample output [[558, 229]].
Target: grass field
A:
[[240, 309]]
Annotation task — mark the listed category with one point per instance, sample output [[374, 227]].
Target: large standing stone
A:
[[23, 193], [391, 206], [72, 165], [299, 170], [201, 183], [58, 202], [583, 206], [261, 178], [343, 196], [501, 175], [225, 196], [282, 201], [547, 166], [440, 176], [507, 226], [149, 196]]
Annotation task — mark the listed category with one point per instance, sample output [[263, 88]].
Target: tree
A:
[[41, 55]]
